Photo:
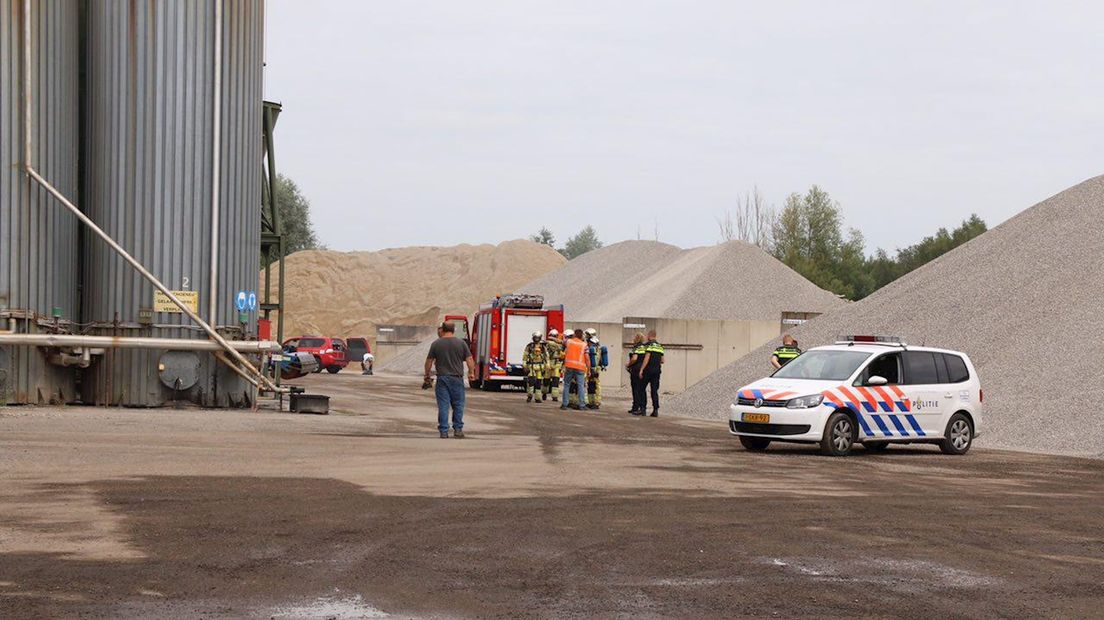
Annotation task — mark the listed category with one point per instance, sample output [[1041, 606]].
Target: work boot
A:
[[575, 407], [458, 435], [444, 435], [655, 413], [543, 398], [555, 400], [529, 398]]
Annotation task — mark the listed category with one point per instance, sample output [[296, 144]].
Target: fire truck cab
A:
[[499, 332]]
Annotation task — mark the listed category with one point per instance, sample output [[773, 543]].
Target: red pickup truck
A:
[[329, 351]]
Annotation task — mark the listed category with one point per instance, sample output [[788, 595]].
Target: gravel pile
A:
[[410, 361], [1024, 301], [728, 281]]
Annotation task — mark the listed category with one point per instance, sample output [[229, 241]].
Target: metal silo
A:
[[156, 148], [38, 238]]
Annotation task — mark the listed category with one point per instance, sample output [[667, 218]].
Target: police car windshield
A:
[[824, 365]]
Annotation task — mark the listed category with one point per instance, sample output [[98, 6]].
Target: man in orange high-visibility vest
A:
[[576, 367]]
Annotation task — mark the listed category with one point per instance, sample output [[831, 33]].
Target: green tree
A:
[[544, 237], [295, 218], [584, 241], [886, 270], [808, 236]]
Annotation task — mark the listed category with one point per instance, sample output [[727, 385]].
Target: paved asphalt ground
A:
[[113, 513]]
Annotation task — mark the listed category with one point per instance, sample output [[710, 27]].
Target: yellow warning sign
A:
[[161, 302]]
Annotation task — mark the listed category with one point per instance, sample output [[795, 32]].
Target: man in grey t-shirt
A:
[[449, 354]]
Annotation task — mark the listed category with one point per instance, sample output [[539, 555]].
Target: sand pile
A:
[[1023, 300], [349, 293], [729, 281]]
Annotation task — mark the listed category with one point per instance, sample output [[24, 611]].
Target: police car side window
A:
[[956, 368], [920, 368], [887, 366]]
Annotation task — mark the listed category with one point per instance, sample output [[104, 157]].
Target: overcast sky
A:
[[444, 121]]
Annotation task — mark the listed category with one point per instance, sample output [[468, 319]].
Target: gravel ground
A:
[[728, 281], [1023, 301], [111, 513]]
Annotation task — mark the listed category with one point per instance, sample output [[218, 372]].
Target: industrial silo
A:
[[170, 119], [38, 238]]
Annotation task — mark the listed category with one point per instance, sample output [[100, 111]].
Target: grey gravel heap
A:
[[410, 361], [728, 281], [1025, 301]]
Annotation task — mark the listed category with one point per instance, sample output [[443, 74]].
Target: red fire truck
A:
[[498, 335]]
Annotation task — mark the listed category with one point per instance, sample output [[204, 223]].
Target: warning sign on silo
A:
[[161, 302]]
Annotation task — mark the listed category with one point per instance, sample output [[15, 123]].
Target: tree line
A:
[[808, 235]]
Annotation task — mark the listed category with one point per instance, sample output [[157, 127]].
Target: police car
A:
[[874, 390]]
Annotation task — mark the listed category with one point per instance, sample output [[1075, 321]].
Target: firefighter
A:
[[535, 361], [786, 353], [555, 366], [599, 359]]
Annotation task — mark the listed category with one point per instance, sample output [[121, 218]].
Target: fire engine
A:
[[499, 332]]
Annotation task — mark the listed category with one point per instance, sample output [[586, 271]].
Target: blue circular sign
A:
[[252, 300], [240, 301]]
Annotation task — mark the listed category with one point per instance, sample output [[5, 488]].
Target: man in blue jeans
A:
[[450, 353], [576, 367]]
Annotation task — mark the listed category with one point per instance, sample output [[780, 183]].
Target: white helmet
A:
[[591, 332], [537, 335], [553, 332]]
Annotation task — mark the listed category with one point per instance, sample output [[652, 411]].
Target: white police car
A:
[[871, 389]]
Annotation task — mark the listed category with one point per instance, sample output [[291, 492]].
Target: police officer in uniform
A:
[[650, 370], [535, 362], [786, 353], [636, 359], [555, 366]]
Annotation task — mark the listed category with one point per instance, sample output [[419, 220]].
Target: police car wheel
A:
[[959, 435], [876, 446], [839, 435], [755, 444]]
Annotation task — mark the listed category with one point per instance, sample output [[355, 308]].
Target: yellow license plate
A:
[[759, 418]]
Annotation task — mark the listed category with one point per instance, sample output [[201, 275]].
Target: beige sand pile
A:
[[349, 293], [1025, 301], [728, 281]]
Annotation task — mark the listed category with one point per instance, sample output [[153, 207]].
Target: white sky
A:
[[438, 122]]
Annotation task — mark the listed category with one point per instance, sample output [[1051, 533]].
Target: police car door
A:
[[886, 406], [925, 391]]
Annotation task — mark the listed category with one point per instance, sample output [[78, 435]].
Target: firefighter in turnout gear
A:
[[786, 353], [535, 361], [599, 360], [555, 366]]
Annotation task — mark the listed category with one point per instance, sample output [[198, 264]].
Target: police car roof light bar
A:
[[887, 340]]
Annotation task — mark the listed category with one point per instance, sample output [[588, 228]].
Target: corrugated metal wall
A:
[[38, 238], [148, 179]]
